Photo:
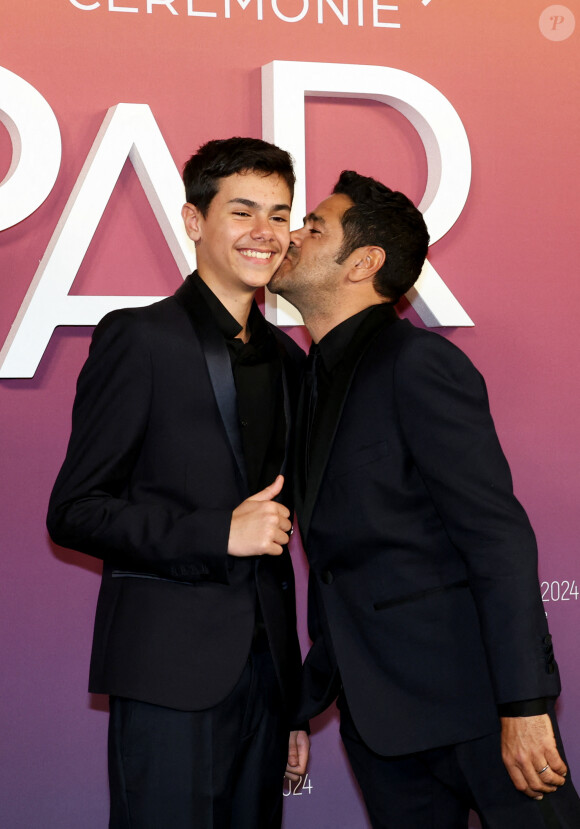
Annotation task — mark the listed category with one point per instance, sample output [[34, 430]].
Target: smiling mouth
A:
[[257, 254]]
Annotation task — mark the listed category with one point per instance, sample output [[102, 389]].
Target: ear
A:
[[367, 261], [192, 219]]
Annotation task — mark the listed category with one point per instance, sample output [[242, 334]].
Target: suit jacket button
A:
[[550, 668], [327, 576], [547, 640]]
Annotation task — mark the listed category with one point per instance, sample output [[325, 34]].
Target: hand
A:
[[298, 751], [260, 525], [528, 746]]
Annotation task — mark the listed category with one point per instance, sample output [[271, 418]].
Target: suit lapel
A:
[[286, 399], [299, 459], [219, 367], [331, 411], [287, 420]]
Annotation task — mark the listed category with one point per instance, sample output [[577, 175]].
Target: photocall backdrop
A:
[[510, 72]]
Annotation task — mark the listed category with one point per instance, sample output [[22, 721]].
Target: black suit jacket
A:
[[423, 566], [153, 471]]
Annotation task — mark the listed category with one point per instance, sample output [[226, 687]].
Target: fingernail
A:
[[540, 797]]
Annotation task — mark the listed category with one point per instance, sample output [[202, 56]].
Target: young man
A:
[[174, 478], [425, 610]]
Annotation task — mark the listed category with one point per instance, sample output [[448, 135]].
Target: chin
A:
[[280, 277], [257, 280], [276, 286]]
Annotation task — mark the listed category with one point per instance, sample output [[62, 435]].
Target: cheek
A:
[[313, 262], [283, 237]]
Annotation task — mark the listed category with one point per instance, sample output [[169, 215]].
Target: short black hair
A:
[[388, 219], [224, 157]]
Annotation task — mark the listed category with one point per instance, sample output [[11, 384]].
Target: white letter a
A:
[[128, 131]]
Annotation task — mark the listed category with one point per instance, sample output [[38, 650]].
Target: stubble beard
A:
[[286, 292], [312, 293]]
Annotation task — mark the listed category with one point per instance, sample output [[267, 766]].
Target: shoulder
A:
[[141, 322], [138, 339], [426, 367], [415, 348], [416, 361]]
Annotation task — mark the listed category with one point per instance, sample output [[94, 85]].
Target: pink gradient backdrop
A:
[[510, 260]]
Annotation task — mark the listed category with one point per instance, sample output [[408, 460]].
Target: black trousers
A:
[[436, 789], [221, 768]]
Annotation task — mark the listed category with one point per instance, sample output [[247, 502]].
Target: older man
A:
[[425, 610]]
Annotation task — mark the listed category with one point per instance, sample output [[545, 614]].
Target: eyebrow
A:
[[314, 217], [255, 205]]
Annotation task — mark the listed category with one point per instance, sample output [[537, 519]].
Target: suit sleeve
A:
[[90, 508], [445, 418]]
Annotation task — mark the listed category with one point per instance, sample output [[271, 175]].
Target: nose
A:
[[297, 236], [261, 228]]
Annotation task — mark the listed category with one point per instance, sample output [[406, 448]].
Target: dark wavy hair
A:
[[386, 219], [224, 157]]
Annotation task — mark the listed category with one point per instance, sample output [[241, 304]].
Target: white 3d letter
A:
[[128, 131], [36, 149], [284, 87]]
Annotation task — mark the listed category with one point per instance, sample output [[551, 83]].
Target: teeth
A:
[[257, 254]]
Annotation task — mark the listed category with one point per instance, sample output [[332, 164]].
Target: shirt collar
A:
[[227, 324], [334, 344]]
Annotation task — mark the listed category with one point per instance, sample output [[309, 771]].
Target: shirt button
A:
[[243, 422], [327, 576]]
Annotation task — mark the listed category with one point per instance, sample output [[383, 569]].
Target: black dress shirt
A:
[[257, 372], [323, 359]]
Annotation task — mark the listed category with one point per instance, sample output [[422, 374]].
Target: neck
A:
[[319, 323], [319, 326], [323, 310]]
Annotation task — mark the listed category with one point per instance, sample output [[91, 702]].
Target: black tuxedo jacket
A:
[[153, 471], [423, 594]]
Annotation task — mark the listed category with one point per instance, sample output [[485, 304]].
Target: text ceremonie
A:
[[347, 12]]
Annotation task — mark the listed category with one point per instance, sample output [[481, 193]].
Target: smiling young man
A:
[[424, 604], [174, 477]]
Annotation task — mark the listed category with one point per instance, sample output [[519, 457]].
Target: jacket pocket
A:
[[130, 574], [360, 457], [420, 594]]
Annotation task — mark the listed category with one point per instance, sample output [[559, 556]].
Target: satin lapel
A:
[[299, 454], [288, 419], [219, 366], [287, 407], [332, 407]]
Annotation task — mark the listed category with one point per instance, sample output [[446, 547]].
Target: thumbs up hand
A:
[[260, 526]]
